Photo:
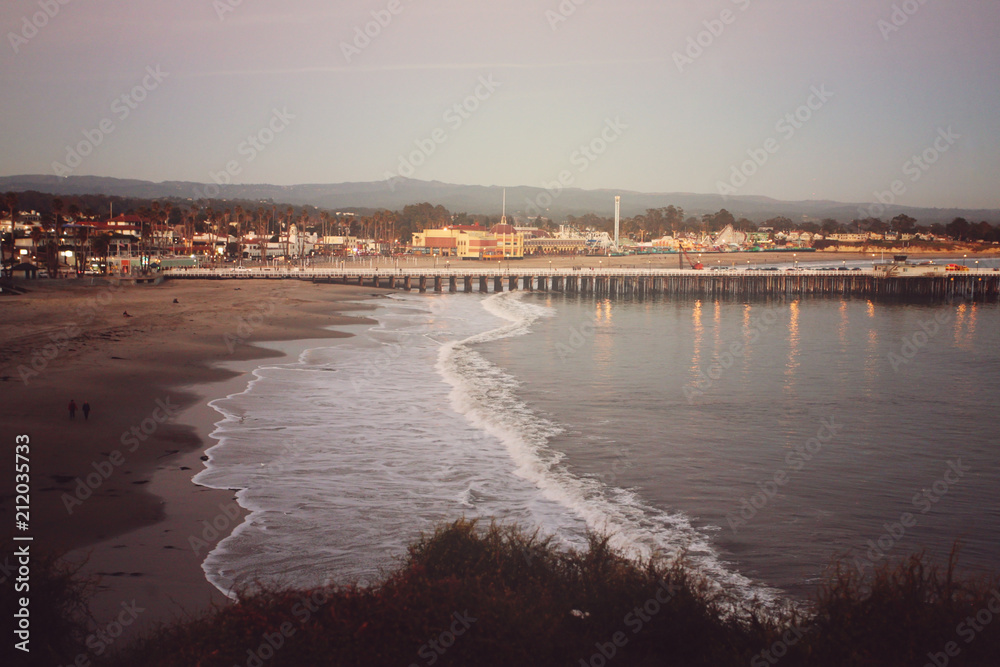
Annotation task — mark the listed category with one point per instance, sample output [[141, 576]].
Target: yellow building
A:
[[472, 242], [509, 240]]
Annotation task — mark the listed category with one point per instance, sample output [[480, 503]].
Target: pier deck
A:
[[980, 285]]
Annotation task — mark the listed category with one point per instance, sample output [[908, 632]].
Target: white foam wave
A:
[[487, 397]]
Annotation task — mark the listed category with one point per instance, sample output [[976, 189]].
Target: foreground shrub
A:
[[474, 595], [58, 610]]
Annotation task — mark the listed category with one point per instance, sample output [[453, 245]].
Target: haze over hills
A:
[[521, 200]]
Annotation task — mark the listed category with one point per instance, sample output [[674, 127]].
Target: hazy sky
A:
[[629, 80]]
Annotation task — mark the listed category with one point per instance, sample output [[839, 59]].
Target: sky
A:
[[850, 100]]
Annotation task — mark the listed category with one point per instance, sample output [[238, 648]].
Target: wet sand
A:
[[115, 489]]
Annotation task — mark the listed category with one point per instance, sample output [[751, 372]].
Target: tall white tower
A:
[[618, 208]]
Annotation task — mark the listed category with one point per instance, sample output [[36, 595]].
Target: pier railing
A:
[[981, 284]]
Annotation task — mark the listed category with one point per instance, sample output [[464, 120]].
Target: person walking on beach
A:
[[72, 408], [86, 410]]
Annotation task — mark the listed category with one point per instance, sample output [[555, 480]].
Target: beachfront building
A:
[[442, 242], [848, 238], [471, 242], [508, 240], [547, 245]]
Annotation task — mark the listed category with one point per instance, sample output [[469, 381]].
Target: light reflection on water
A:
[[821, 359]]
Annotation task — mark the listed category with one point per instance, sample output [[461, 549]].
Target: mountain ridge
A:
[[486, 199]]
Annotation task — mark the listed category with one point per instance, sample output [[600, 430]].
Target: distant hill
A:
[[521, 200]]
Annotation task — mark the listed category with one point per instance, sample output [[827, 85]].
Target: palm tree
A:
[[36, 236], [213, 221], [99, 246], [239, 234], [52, 249], [289, 213], [262, 234], [154, 220], [80, 255], [10, 200]]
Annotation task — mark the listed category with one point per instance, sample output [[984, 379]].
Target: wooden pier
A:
[[978, 285]]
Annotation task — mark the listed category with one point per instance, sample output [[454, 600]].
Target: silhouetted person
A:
[[86, 410], [72, 408]]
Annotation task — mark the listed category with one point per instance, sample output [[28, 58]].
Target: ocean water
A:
[[760, 440]]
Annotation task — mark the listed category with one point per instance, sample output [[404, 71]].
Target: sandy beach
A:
[[115, 488]]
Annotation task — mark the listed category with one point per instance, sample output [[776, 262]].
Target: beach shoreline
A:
[[114, 490]]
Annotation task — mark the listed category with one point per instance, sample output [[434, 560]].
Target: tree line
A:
[[222, 219]]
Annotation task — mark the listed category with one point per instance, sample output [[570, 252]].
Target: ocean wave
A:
[[487, 397]]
